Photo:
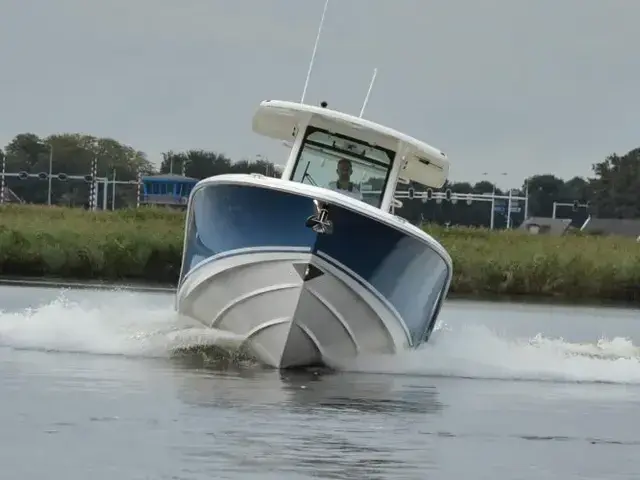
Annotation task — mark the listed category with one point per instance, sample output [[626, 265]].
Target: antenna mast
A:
[[366, 98], [315, 48]]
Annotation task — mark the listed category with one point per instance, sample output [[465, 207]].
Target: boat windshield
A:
[[343, 164]]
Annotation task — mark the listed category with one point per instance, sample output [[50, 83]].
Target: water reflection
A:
[[359, 393], [370, 412], [308, 391], [331, 425]]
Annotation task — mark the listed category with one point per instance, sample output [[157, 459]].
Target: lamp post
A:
[[50, 171], [526, 198]]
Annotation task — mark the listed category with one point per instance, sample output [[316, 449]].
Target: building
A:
[[546, 226], [167, 190], [625, 227]]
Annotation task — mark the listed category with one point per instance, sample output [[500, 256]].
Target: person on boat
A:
[[344, 183]]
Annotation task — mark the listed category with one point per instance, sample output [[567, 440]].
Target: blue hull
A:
[[404, 270]]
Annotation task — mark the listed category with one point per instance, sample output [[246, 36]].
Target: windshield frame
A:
[[391, 155]]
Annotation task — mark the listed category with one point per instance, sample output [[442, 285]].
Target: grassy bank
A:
[[146, 244], [143, 244], [513, 263]]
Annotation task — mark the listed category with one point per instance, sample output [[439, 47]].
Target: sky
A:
[[507, 88]]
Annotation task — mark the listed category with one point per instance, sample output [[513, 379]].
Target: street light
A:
[[50, 171], [526, 198]]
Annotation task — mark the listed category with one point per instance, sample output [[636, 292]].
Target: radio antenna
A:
[[366, 98], [313, 54]]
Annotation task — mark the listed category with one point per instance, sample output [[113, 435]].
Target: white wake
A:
[[126, 323], [123, 324], [475, 351]]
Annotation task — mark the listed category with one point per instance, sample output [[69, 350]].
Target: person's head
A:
[[344, 170]]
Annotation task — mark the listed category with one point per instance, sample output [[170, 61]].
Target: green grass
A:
[[514, 263], [142, 244], [145, 244]]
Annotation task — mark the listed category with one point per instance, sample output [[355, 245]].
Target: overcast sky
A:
[[515, 86]]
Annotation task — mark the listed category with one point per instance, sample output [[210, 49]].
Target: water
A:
[[89, 390]]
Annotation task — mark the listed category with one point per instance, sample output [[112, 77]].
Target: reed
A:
[[515, 263], [141, 244], [145, 244]]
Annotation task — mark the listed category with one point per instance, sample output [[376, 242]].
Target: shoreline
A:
[[78, 284], [141, 249], [163, 288]]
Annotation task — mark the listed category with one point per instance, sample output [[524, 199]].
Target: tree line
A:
[[72, 154], [613, 190]]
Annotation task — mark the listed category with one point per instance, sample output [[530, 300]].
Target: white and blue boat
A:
[[314, 268]]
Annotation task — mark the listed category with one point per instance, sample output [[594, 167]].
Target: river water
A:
[[89, 389]]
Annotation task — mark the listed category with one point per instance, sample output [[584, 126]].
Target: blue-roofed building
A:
[[166, 189]]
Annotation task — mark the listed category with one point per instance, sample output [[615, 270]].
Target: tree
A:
[[71, 154], [616, 186], [197, 163], [202, 164], [543, 191]]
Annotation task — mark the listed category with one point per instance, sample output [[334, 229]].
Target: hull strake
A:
[[293, 308]]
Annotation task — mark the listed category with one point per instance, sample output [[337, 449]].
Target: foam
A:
[[124, 323], [475, 351], [127, 323]]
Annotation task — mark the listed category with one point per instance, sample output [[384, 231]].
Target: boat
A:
[[314, 268]]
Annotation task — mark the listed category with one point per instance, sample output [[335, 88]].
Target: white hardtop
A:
[[283, 120]]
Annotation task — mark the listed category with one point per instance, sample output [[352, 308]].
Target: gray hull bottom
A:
[[292, 309]]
